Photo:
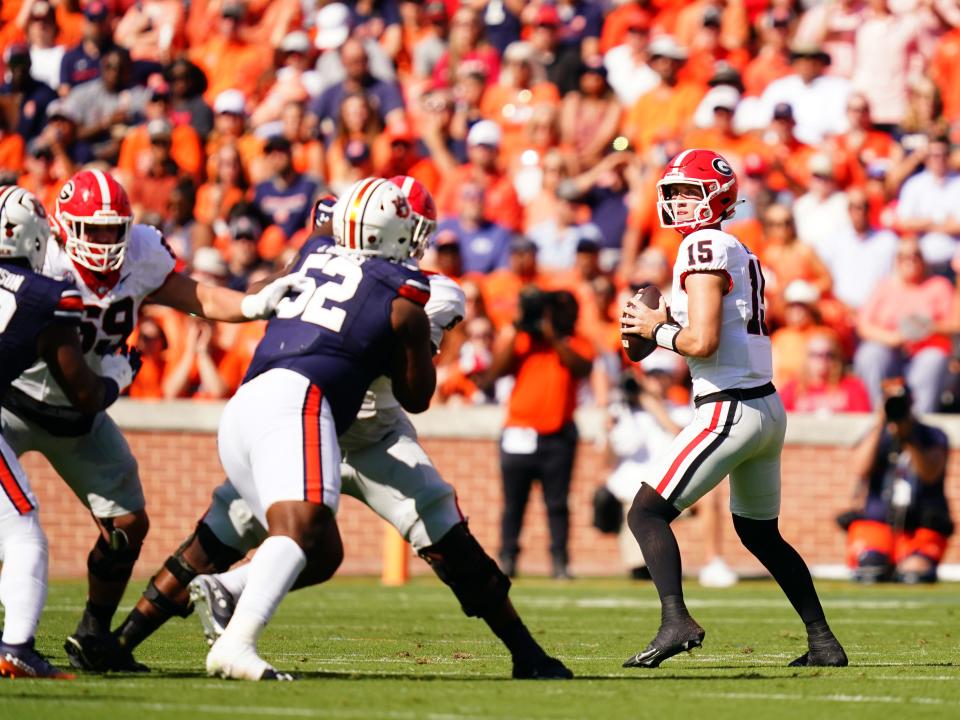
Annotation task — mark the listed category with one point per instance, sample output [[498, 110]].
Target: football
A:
[[636, 347]]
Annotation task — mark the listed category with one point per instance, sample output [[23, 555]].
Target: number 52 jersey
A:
[[339, 334], [743, 358], [109, 311]]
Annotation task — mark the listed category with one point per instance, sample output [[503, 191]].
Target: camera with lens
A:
[[559, 306], [896, 405]]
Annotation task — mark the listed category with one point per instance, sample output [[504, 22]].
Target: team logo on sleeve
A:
[[722, 167]]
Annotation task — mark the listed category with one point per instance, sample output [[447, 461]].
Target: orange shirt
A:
[[249, 146], [47, 194], [230, 64], [662, 113], [763, 70], [545, 394], [185, 149], [11, 152], [214, 201], [945, 71], [502, 204]]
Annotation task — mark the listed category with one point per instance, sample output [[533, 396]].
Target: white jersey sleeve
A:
[[445, 308], [109, 311], [743, 358]]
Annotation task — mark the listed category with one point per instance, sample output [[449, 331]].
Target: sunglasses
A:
[[822, 354]]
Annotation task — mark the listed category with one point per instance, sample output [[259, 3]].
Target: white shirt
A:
[[110, 318], [743, 358], [629, 78], [925, 196], [858, 262], [817, 220], [819, 108], [45, 64]]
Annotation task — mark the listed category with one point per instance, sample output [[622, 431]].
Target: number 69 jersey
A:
[[109, 311], [339, 335], [743, 358]]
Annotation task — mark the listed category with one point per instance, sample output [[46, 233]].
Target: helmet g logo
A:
[[66, 192], [722, 167]]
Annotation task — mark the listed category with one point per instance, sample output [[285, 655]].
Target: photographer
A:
[[901, 532], [539, 439]]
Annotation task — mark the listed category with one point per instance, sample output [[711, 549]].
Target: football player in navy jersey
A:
[[39, 317], [383, 466]]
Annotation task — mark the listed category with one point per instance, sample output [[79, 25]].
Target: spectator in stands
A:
[[334, 23], [106, 106], [227, 59], [858, 254], [799, 319], [397, 152], [484, 245], [629, 74], [501, 288], [428, 28], [446, 256], [560, 59], [82, 63], [181, 231], [152, 189], [930, 203], [539, 437], [823, 208], [824, 386], [243, 258], [297, 126], [558, 238], [466, 45], [357, 128], [287, 82], [500, 199], [833, 25], [818, 100], [46, 54], [60, 135], [667, 110], [457, 381], [435, 125], [787, 156], [772, 60], [387, 100], [187, 106], [151, 343], [580, 26], [28, 96], [287, 196], [152, 29], [589, 116], [902, 523], [904, 327], [226, 186], [38, 175], [862, 144]]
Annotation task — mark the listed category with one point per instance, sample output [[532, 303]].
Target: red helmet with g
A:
[[423, 208], [88, 204], [717, 182]]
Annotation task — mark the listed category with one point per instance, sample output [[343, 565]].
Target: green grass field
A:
[[362, 651]]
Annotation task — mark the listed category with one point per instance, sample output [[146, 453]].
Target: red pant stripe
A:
[[714, 421], [312, 465], [8, 481]]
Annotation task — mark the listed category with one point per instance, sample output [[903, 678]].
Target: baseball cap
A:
[[546, 15], [587, 245], [96, 11], [446, 240], [809, 50], [724, 96], [295, 42], [821, 165], [665, 46], [782, 111], [712, 17], [802, 292], [42, 11], [277, 143], [333, 26], [230, 101], [243, 227], [233, 10], [59, 109], [522, 243], [485, 132], [159, 129], [209, 260]]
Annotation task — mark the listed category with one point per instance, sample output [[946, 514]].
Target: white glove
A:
[[445, 308], [261, 305], [118, 369]]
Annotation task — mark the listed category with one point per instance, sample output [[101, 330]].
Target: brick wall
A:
[[180, 467]]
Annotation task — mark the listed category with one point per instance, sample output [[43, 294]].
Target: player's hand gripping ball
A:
[[635, 346]]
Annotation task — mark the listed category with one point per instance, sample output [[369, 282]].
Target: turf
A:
[[363, 651]]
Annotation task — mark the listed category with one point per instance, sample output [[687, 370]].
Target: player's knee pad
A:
[[219, 555], [648, 505], [757, 535], [164, 603], [112, 561], [127, 530], [473, 575]]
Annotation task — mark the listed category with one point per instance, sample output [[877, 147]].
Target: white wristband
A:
[[665, 335]]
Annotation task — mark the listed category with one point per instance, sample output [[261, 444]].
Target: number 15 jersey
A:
[[339, 335], [743, 358]]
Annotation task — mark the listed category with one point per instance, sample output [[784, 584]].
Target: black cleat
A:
[[672, 638], [546, 668], [826, 655], [101, 653]]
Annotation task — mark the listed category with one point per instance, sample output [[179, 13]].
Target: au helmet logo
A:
[[722, 167], [403, 209]]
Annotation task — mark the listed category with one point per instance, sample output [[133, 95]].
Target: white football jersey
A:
[[109, 318], [743, 358], [445, 308]]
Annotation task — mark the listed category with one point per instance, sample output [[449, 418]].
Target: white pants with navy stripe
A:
[[739, 438], [278, 442]]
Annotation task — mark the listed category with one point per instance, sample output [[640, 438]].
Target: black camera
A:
[[559, 306], [896, 407]]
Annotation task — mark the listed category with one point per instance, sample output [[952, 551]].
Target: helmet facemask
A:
[[669, 205], [96, 256]]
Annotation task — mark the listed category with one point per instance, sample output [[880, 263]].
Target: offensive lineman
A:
[[116, 266], [384, 467], [38, 318], [716, 320]]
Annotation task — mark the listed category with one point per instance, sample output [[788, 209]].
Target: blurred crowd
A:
[[541, 128]]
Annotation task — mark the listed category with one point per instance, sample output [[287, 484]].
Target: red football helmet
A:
[[93, 199], [718, 190], [423, 208]]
